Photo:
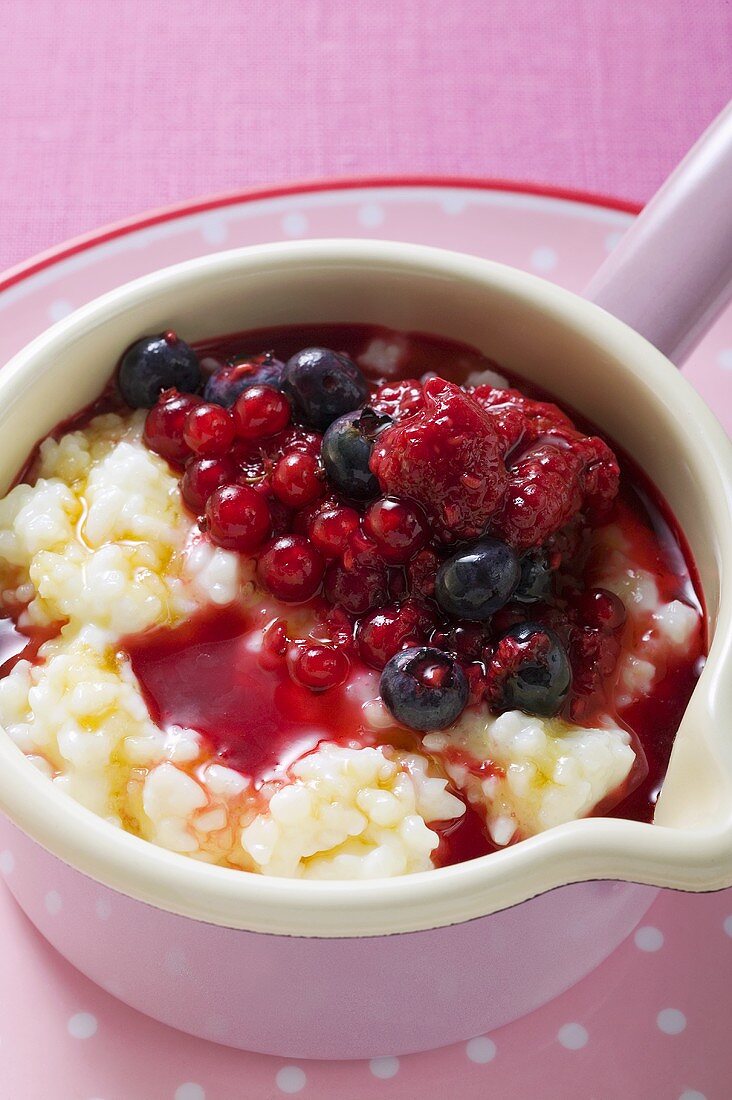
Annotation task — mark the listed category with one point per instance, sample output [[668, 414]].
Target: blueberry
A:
[[474, 583], [530, 671], [535, 583], [424, 688], [323, 385], [346, 451], [224, 385], [154, 364]]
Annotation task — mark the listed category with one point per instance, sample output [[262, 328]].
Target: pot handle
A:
[[671, 274]]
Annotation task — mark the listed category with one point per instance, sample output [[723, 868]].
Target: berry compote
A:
[[428, 538]]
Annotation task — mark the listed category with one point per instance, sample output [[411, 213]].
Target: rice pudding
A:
[[340, 613]]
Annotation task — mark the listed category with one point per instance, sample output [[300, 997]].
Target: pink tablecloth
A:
[[112, 106]]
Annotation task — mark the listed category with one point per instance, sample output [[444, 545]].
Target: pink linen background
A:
[[109, 107]]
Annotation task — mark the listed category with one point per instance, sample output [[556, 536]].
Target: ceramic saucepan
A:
[[366, 968]]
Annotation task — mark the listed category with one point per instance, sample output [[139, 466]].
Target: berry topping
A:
[[357, 589], [529, 671], [535, 583], [474, 583], [424, 688], [317, 667], [447, 458], [383, 632], [202, 477], [398, 528], [237, 517], [209, 430], [165, 425], [297, 479], [323, 385], [154, 364], [347, 448], [330, 528], [291, 568], [261, 411], [225, 384]]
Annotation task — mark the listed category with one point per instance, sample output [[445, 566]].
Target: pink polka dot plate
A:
[[650, 1021]]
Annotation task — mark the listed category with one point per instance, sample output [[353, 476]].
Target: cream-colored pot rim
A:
[[697, 857]]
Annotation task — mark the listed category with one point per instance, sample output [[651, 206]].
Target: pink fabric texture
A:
[[110, 107]]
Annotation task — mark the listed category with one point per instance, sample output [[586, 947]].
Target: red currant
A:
[[602, 609], [165, 425], [291, 568], [209, 430], [330, 528], [238, 517], [261, 411], [202, 477], [398, 527], [274, 644], [317, 667], [297, 480]]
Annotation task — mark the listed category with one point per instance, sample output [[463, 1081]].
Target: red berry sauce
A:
[[367, 568]]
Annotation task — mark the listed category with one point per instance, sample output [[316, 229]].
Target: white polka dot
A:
[[544, 259], [294, 224], [384, 1068], [692, 1094], [612, 240], [454, 203], [371, 214], [480, 1050], [53, 902], [728, 925], [649, 938], [7, 862], [176, 961], [82, 1026], [59, 309], [725, 358], [671, 1021], [189, 1091], [573, 1036], [103, 908], [291, 1079], [214, 229]]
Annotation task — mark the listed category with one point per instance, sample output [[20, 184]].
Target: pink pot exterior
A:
[[323, 998]]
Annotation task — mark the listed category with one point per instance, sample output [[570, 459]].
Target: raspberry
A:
[[398, 399], [447, 458], [543, 493], [422, 573]]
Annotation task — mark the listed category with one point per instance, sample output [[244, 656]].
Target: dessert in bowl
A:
[[285, 678]]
